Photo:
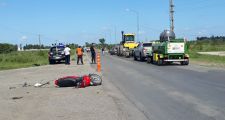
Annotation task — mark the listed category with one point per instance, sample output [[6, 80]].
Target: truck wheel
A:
[[149, 60], [141, 58], [160, 62], [135, 58], [128, 55], [182, 63], [187, 62]]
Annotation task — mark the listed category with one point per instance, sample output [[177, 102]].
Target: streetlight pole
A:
[[138, 23]]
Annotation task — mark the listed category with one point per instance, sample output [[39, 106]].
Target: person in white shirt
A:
[[67, 55]]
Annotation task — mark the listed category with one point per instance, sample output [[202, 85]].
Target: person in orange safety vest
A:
[[79, 52]]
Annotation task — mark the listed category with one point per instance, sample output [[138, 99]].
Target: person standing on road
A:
[[67, 55], [93, 54], [103, 50], [79, 52]]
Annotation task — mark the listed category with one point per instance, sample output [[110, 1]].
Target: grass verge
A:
[[207, 60], [23, 59]]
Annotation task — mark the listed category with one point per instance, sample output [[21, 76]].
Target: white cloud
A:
[[24, 38]]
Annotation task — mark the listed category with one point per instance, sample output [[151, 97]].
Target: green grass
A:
[[23, 59], [206, 46]]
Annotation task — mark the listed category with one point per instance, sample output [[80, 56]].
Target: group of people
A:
[[79, 52]]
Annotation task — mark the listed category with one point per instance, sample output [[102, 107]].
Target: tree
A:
[[102, 41], [87, 44]]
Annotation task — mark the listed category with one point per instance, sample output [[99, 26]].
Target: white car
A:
[[87, 49], [142, 51]]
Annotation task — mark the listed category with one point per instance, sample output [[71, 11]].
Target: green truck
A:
[[168, 50]]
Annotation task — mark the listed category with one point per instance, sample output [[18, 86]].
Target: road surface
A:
[[169, 92], [26, 102]]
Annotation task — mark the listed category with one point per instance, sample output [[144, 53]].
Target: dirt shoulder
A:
[[91, 103], [217, 53], [208, 64]]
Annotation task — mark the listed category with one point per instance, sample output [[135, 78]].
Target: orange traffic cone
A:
[[98, 62]]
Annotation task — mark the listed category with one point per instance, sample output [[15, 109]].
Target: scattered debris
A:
[[25, 84], [36, 64], [37, 84], [12, 88], [40, 85], [15, 98]]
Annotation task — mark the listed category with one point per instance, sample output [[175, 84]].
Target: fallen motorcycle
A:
[[79, 82]]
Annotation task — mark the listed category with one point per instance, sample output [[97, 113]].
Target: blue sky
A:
[[80, 21]]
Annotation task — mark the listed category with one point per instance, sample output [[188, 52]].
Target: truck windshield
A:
[[147, 44], [129, 38]]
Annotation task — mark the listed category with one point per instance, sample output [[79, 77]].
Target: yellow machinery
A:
[[127, 45]]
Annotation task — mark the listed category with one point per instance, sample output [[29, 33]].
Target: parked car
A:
[[113, 51], [87, 49], [56, 54], [143, 51]]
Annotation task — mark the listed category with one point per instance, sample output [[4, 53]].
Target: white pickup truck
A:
[[142, 51]]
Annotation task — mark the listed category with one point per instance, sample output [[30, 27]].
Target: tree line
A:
[[213, 38], [7, 48], [35, 46]]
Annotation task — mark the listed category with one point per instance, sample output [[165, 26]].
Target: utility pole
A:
[[171, 15], [138, 26], [39, 39]]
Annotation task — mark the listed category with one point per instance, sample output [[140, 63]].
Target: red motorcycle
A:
[[79, 82]]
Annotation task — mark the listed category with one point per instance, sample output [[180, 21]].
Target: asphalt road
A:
[[171, 92]]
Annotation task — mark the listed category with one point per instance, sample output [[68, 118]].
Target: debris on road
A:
[[37, 84], [15, 98], [79, 82], [12, 88], [25, 84], [40, 85]]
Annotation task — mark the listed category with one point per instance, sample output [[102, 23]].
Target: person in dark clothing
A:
[[93, 54], [103, 51]]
